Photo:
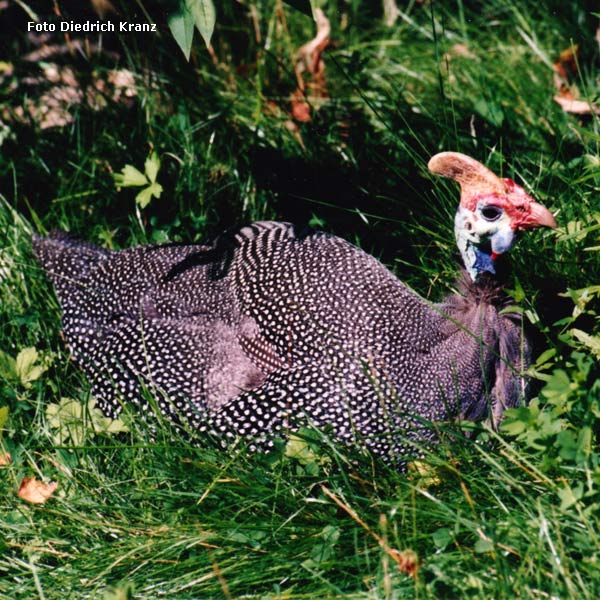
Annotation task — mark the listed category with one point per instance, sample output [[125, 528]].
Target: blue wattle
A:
[[483, 262]]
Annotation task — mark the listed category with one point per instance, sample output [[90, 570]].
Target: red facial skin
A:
[[524, 212]]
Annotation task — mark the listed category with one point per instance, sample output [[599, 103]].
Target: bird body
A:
[[269, 328]]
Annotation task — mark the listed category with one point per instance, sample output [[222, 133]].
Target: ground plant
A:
[[222, 116]]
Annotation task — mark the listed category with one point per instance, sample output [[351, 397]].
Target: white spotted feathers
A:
[[268, 329]]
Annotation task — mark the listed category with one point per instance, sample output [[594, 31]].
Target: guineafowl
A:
[[271, 328]]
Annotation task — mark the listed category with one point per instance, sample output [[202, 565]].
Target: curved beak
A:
[[536, 216]]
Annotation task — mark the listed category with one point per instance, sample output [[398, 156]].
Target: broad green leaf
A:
[[559, 387], [151, 167], [591, 341], [570, 495], [130, 177], [8, 366], [203, 12], [490, 111], [545, 357], [585, 443], [324, 550], [442, 537], [181, 24], [73, 422], [146, 195], [3, 416], [428, 475], [26, 369], [103, 424], [566, 444], [483, 545], [66, 420], [298, 448]]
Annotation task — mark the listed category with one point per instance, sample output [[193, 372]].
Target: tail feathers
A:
[[65, 257]]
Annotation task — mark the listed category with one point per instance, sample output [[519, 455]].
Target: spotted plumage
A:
[[268, 329]]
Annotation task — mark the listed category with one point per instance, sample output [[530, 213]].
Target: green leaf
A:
[[566, 444], [324, 550], [490, 111], [591, 341], [26, 369], [181, 25], [146, 195], [3, 416], [442, 537], [66, 420], [483, 545], [570, 495], [73, 422], [203, 12], [130, 177], [298, 448], [585, 444], [151, 167], [8, 366], [558, 388], [545, 357]]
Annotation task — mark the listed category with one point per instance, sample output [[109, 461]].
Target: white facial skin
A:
[[482, 234]]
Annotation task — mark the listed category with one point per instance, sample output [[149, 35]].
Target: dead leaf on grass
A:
[[5, 459], [309, 62], [576, 107], [566, 70], [407, 560], [34, 491]]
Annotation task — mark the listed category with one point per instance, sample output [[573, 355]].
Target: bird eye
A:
[[491, 213]]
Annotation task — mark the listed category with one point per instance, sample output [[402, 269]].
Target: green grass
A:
[[142, 515]]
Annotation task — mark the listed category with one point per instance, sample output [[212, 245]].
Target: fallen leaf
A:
[[407, 560], [566, 64], [459, 50], [34, 491], [5, 459], [566, 70], [576, 107], [309, 60], [391, 12]]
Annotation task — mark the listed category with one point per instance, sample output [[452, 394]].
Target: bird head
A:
[[491, 213]]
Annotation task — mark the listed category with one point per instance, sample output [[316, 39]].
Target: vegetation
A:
[[169, 150]]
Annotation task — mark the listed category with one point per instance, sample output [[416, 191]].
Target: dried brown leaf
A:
[[34, 491], [566, 69], [566, 65], [5, 459], [576, 107], [309, 61], [460, 50], [407, 560]]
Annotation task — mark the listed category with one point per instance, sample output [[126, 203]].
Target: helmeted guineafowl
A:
[[269, 329]]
